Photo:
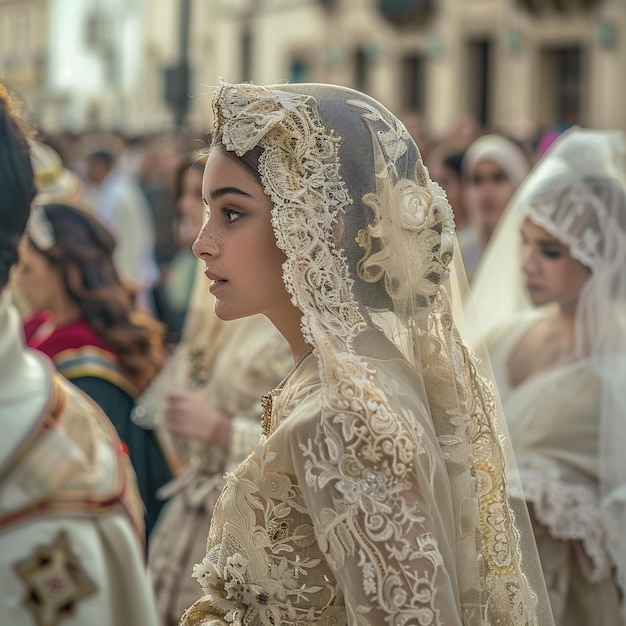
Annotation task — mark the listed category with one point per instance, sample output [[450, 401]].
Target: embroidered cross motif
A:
[[55, 582]]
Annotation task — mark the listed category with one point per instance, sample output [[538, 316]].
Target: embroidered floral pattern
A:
[[569, 510], [268, 581]]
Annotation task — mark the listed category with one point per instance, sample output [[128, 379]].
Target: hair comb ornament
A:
[[40, 229]]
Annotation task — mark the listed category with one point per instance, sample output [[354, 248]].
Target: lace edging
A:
[[570, 512]]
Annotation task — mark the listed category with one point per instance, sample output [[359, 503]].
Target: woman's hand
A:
[[189, 415]]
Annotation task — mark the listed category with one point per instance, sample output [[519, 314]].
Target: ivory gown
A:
[[552, 418]]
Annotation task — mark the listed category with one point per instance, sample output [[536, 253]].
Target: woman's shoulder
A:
[[33, 322], [78, 352], [75, 335], [507, 333]]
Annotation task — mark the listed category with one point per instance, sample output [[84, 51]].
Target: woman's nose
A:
[[205, 241], [529, 260]]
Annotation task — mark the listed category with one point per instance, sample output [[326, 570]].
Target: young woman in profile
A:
[[377, 493], [82, 318], [556, 334]]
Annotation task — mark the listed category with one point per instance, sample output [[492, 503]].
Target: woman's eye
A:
[[552, 254], [230, 214]]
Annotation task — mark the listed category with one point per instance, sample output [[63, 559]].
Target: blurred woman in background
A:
[[493, 168], [83, 319], [551, 291], [179, 277]]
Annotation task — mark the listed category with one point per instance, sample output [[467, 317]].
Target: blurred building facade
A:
[[149, 65]]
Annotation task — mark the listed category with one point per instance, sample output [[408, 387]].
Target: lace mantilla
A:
[[299, 170], [365, 450], [574, 216]]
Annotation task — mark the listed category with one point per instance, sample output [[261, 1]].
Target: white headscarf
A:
[[501, 151]]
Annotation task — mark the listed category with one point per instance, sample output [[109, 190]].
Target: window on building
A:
[[560, 6], [407, 12], [361, 69], [412, 82], [479, 77], [562, 85], [246, 51], [298, 70]]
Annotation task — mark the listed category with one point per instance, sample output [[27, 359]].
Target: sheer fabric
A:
[[379, 496], [577, 193]]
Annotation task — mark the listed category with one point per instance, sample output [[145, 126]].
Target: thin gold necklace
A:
[[266, 399]]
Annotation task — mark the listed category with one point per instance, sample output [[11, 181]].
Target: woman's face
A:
[[550, 271], [189, 206], [38, 280], [238, 245], [489, 191]]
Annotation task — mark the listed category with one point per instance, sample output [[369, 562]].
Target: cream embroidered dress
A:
[[553, 420], [378, 494], [264, 536]]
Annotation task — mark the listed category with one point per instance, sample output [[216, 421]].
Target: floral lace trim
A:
[[266, 502], [570, 512], [509, 597], [574, 218]]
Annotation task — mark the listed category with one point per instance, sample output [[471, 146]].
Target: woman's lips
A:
[[216, 281]]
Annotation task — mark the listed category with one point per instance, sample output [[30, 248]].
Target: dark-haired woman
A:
[[178, 280], [82, 317]]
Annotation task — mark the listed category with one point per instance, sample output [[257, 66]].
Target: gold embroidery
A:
[[267, 398], [55, 582], [266, 416]]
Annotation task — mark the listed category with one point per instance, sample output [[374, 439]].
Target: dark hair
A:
[[191, 163], [83, 253], [454, 161], [102, 156], [17, 187], [249, 161]]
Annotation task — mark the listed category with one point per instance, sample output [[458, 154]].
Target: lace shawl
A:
[[369, 241]]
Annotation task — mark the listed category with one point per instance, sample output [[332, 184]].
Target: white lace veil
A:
[[371, 263], [577, 192]]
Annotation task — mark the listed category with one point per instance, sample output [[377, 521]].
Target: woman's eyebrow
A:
[[550, 242], [222, 191]]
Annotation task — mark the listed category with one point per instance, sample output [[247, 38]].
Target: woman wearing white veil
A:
[[378, 492], [551, 296]]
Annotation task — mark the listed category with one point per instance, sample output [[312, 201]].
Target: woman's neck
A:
[[290, 328], [63, 313], [567, 310], [547, 343]]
